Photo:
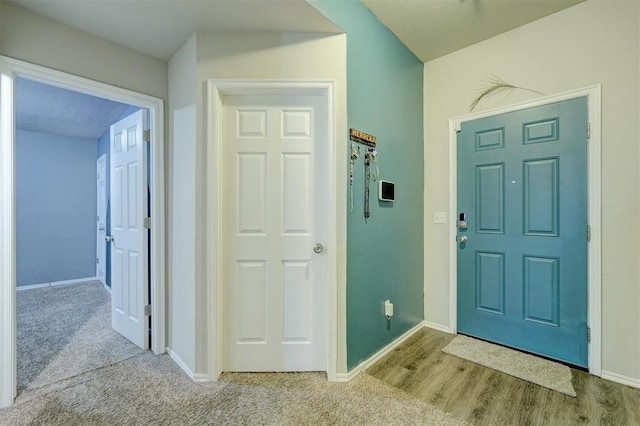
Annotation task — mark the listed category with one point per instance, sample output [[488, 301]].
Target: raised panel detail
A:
[[252, 124], [490, 285], [131, 139], [117, 221], [117, 142], [490, 139], [296, 196], [296, 123], [251, 307], [490, 198], [133, 266], [541, 289], [541, 203], [297, 306], [540, 131], [251, 181], [118, 276], [132, 196]]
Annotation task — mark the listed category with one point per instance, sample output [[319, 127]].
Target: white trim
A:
[[439, 327], [200, 378], [8, 359], [56, 283], [622, 379], [10, 69], [347, 377], [364, 365], [593, 94], [215, 90], [183, 365]]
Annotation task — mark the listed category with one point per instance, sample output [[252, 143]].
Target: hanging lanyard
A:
[[367, 177]]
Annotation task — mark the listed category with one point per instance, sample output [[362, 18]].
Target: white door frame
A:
[[593, 94], [216, 90], [9, 69], [103, 159]]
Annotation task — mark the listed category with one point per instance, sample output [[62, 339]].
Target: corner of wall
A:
[[181, 196]]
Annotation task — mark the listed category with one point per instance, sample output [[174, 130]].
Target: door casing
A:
[[216, 89], [593, 94], [9, 70]]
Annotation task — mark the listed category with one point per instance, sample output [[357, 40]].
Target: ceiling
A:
[[159, 27], [52, 110], [429, 28], [434, 28]]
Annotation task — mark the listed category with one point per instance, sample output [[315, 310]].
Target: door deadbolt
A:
[[318, 248]]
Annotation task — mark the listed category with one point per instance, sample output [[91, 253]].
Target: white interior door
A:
[[274, 281], [101, 219], [129, 276]]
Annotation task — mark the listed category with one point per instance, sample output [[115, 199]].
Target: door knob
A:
[[109, 238], [463, 239], [318, 248]]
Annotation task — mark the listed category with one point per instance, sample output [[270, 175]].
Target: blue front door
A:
[[522, 272]]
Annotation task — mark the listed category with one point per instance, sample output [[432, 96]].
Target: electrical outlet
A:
[[388, 309], [439, 217]]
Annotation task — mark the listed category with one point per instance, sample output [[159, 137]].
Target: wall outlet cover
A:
[[439, 217]]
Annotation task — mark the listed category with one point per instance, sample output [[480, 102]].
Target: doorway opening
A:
[[12, 73]]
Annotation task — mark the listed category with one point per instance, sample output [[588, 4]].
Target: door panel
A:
[[522, 274], [101, 220], [129, 247], [275, 301]]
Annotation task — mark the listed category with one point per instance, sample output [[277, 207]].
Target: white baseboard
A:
[[181, 364], [345, 377], [439, 327], [56, 283], [200, 378], [619, 378]]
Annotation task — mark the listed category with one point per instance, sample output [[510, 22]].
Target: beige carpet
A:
[[527, 367], [64, 331], [152, 390], [75, 371]]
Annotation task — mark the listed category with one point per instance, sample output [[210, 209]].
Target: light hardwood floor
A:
[[483, 396]]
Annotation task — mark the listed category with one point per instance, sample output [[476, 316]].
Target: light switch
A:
[[440, 217]]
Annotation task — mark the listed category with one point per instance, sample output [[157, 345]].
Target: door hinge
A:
[[588, 232], [588, 334], [97, 261], [147, 310], [147, 223], [588, 130], [146, 135]]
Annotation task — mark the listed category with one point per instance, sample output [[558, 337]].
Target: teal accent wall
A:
[[384, 253]]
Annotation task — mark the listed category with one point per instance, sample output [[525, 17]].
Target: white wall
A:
[[264, 56], [597, 41], [181, 198], [42, 41]]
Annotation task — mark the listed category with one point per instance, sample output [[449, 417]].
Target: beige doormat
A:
[[527, 367]]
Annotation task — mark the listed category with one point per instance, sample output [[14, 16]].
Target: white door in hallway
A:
[[275, 264], [129, 275], [101, 219]]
